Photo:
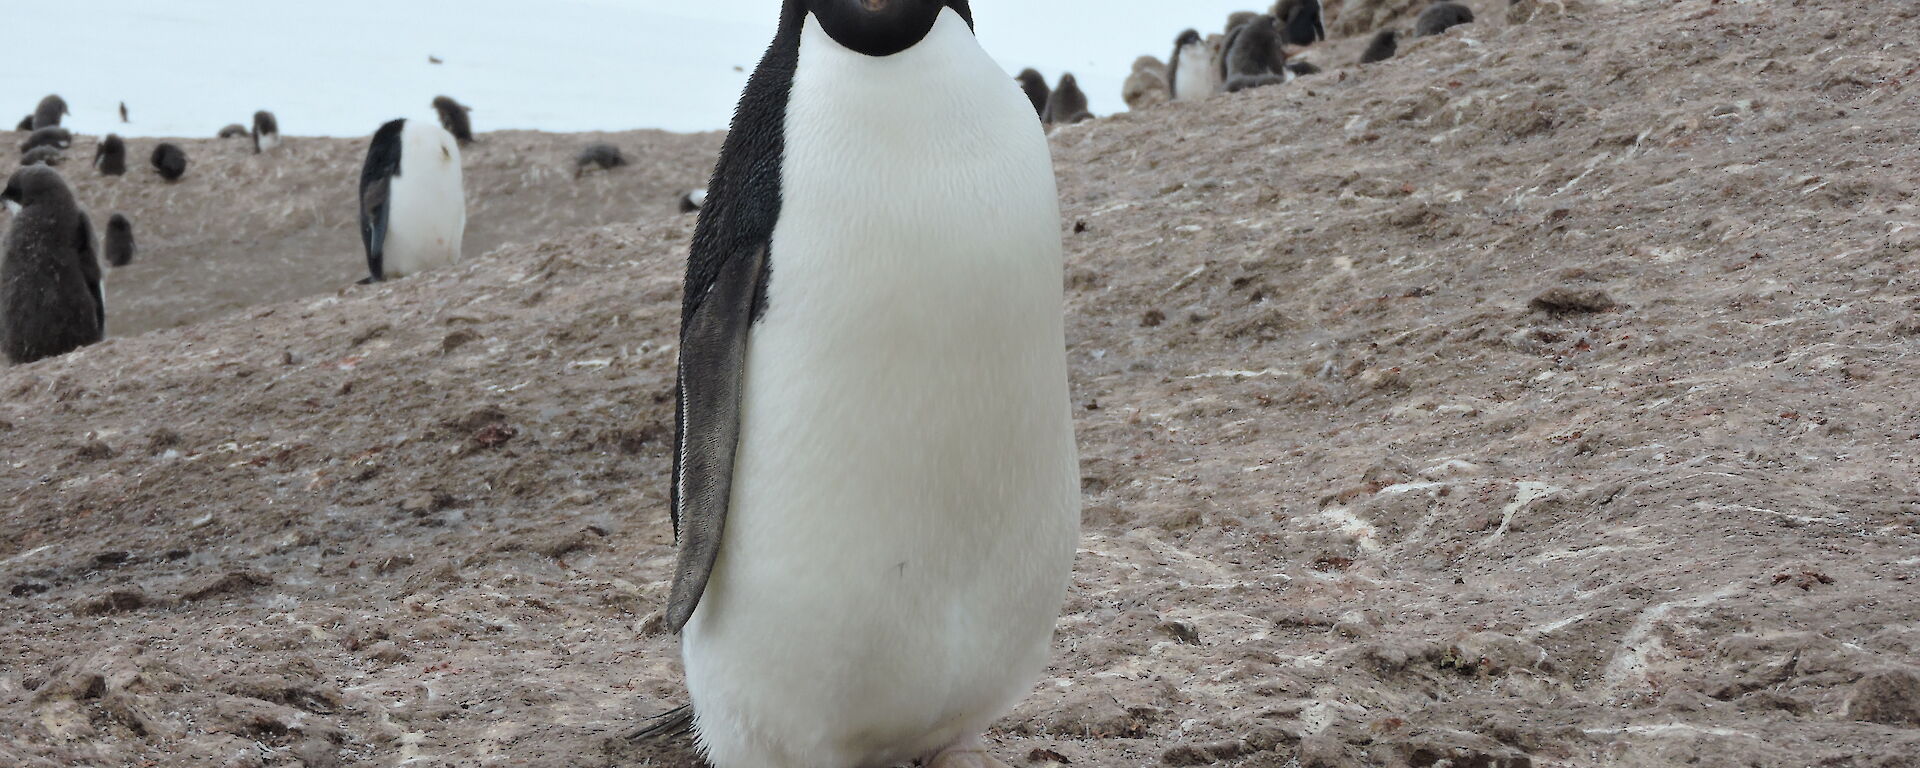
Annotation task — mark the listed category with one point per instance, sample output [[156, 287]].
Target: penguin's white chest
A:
[[906, 493], [1196, 78], [427, 217]]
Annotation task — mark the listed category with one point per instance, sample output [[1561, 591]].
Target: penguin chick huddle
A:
[[1262, 49]]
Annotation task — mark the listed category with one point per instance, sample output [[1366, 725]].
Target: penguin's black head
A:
[[34, 185], [881, 27]]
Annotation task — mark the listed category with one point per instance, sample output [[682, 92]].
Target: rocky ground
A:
[[1537, 398]]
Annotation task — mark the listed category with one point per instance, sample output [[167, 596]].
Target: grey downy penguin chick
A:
[[1255, 57], [119, 248], [1440, 17], [50, 136], [1034, 85], [49, 156], [48, 114], [111, 156], [1385, 44], [1067, 104], [600, 155], [170, 161], [52, 298], [454, 117]]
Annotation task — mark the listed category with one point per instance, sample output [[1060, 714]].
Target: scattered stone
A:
[[494, 435], [94, 450], [28, 589], [1203, 754], [1181, 631], [1153, 319], [1888, 698], [1564, 301], [236, 581], [114, 601]]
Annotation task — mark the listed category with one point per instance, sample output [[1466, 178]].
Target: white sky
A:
[[341, 67]]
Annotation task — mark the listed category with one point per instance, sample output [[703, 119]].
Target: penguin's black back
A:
[[111, 157], [171, 161], [119, 246], [376, 179]]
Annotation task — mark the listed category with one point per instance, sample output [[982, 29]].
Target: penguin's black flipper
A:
[[90, 270], [374, 214], [713, 356]]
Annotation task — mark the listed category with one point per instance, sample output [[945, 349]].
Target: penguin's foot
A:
[[971, 753]]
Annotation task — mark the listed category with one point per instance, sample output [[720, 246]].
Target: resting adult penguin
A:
[[52, 300], [875, 482], [110, 158], [266, 132], [413, 209], [1255, 56], [50, 136], [1035, 86], [48, 114], [1190, 71]]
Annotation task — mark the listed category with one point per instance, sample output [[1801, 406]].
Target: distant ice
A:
[[341, 67]]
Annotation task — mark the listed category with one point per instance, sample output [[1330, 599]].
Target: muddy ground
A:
[[1541, 397]]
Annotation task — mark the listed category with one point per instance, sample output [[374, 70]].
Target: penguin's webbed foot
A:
[[967, 754]]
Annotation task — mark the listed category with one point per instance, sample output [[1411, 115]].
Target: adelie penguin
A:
[[170, 161], [1034, 85], [1440, 17], [1302, 22], [119, 247], [52, 298], [693, 201], [1255, 56], [48, 114], [1067, 104], [453, 117], [875, 485], [266, 132], [413, 209], [1384, 45], [233, 131], [1190, 71], [110, 158]]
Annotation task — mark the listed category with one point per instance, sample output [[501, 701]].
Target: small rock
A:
[[386, 652], [1561, 301], [494, 435], [236, 581], [1888, 698], [1045, 756], [1181, 631], [28, 589], [115, 601], [94, 450], [1203, 754], [1153, 319]]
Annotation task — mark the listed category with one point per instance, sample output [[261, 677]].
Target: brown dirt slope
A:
[[1539, 398], [243, 229]]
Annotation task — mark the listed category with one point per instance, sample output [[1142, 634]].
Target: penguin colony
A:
[[937, 559], [413, 217]]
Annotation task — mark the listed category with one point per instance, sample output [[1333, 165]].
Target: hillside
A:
[[1537, 398]]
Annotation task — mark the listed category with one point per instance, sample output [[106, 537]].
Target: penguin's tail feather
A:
[[666, 725]]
